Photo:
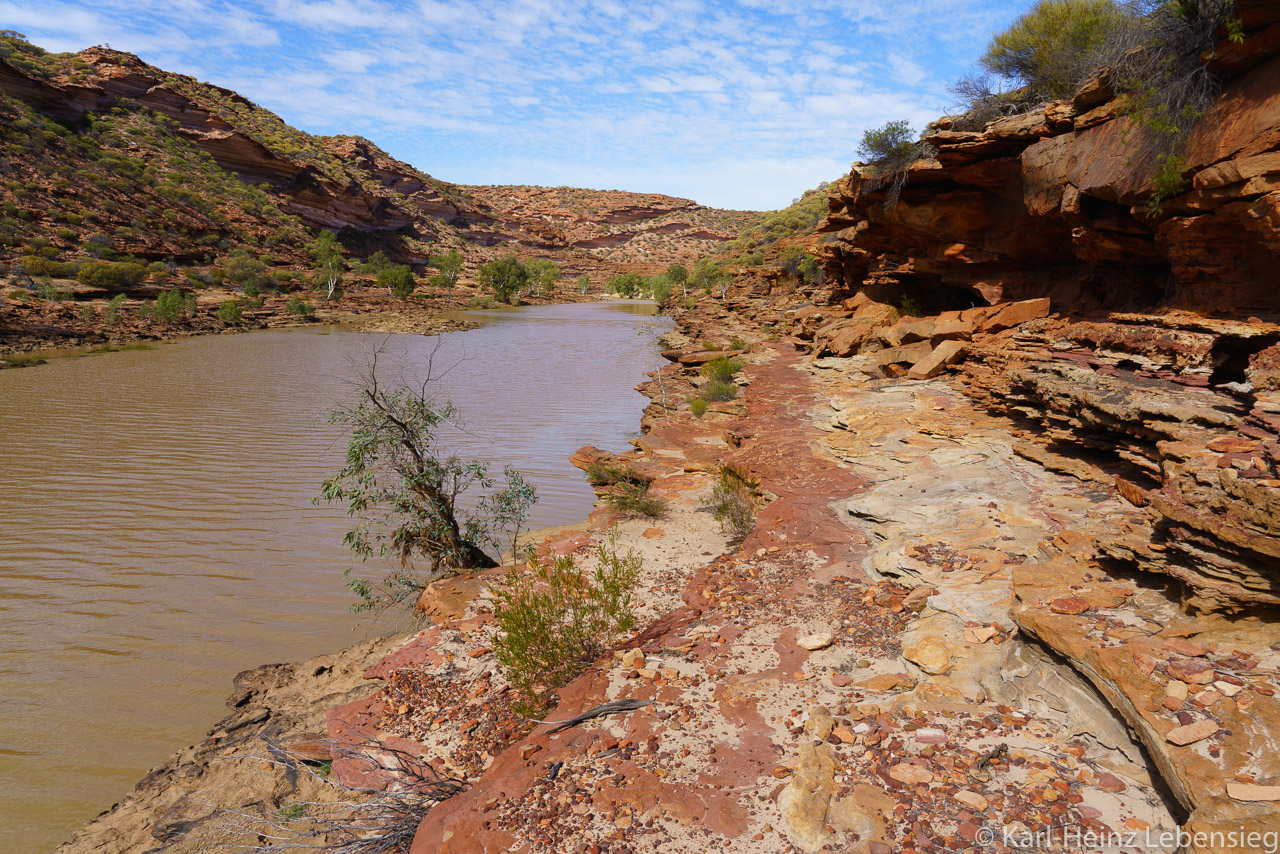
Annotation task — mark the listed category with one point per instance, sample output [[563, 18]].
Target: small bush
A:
[[634, 499], [481, 302], [299, 307], [732, 502], [1050, 49], [892, 140], [717, 391], [722, 369], [106, 274], [606, 474], [112, 315], [49, 292], [891, 150], [698, 407], [736, 343], [230, 312], [554, 619], [173, 306], [37, 265], [398, 281]]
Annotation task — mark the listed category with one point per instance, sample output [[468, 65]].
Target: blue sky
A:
[[738, 105]]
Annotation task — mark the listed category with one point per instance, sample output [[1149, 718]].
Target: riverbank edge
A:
[[28, 333]]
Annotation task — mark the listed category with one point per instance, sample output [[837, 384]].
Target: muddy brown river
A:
[[157, 533]]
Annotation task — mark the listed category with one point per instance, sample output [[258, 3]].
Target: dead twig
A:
[[615, 707]]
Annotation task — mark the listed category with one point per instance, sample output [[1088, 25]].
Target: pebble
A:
[[1109, 782], [1251, 792], [972, 800], [905, 772], [1190, 670], [1069, 605], [1226, 689], [821, 640], [1191, 733]]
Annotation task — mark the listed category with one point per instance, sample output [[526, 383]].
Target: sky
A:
[[735, 105]]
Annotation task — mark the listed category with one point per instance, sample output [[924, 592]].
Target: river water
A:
[[157, 533]]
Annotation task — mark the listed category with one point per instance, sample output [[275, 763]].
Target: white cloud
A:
[[742, 104]]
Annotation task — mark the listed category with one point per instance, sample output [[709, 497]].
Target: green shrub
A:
[[65, 234], [736, 343], [481, 302], [37, 265], [299, 307], [698, 406], [174, 305], [891, 140], [732, 502], [584, 283], [1050, 49], [374, 265], [48, 291], [609, 474], [891, 149], [718, 390], [634, 499], [112, 314], [398, 281], [230, 312], [722, 369], [106, 274], [554, 619]]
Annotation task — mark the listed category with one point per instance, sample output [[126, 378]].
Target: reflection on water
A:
[[157, 535]]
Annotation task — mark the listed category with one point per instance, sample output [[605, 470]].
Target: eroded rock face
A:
[[1053, 204]]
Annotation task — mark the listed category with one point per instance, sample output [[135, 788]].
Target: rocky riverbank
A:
[[923, 644]]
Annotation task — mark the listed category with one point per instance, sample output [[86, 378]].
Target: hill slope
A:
[[101, 144]]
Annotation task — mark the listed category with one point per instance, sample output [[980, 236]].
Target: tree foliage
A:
[[450, 267], [404, 487], [398, 280], [710, 276], [627, 285], [506, 277], [543, 275], [329, 264]]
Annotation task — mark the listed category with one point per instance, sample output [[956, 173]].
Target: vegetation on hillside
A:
[[1154, 53], [125, 184], [771, 226]]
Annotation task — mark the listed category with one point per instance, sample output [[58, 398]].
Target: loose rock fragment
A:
[[1191, 733], [1070, 605], [1252, 792], [821, 640]]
